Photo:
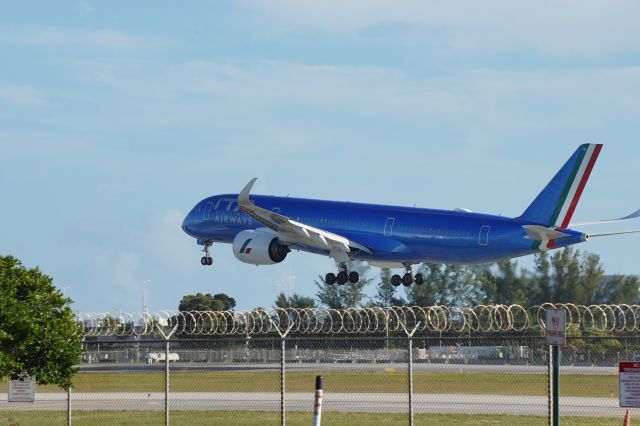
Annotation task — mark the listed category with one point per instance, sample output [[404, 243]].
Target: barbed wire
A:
[[431, 319]]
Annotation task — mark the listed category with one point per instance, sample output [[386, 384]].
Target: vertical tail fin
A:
[[555, 205]]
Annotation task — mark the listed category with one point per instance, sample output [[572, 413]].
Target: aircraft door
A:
[[483, 238], [388, 226]]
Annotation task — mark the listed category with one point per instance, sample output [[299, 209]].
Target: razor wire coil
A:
[[619, 318]]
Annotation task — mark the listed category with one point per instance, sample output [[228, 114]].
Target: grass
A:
[[342, 381], [251, 418]]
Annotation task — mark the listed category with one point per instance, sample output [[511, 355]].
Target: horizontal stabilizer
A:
[[541, 233], [633, 215], [606, 234]]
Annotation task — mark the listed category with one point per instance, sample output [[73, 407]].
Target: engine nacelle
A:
[[259, 248]]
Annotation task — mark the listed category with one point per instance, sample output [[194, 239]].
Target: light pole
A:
[[290, 279], [144, 295]]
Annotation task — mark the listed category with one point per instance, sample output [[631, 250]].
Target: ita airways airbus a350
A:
[[264, 229]]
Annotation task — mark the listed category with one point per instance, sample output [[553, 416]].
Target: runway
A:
[[340, 402]]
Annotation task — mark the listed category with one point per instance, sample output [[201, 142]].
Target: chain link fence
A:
[[453, 375]]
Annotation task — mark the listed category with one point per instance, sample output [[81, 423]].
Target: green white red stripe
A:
[[575, 185]]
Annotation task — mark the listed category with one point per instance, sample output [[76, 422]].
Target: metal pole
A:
[[166, 369], [166, 383], [317, 406], [282, 373], [283, 337], [549, 386], [410, 381], [410, 369], [386, 328], [69, 406], [556, 383]]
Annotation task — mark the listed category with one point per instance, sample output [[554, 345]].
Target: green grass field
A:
[[342, 381], [272, 418]]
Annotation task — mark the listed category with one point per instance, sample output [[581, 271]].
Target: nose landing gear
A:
[[206, 260]]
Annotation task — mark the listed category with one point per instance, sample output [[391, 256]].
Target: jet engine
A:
[[259, 248]]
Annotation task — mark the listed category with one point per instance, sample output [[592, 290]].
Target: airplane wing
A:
[[598, 222], [292, 232]]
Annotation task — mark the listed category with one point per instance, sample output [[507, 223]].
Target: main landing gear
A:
[[408, 278], [342, 277], [206, 260]]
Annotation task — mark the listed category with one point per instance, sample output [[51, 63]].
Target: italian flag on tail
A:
[[555, 205], [575, 185]]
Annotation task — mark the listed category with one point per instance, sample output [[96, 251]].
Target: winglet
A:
[[243, 197]]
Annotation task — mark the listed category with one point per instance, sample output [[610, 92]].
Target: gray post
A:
[[556, 383], [166, 370], [283, 337], [386, 327], [166, 383], [69, 406], [282, 384], [410, 370]]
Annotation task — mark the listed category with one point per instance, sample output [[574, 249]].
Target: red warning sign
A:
[[629, 380]]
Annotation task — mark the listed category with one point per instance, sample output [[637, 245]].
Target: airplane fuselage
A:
[[393, 234]]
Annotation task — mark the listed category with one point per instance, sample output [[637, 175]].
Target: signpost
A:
[[629, 382], [22, 390], [556, 335], [556, 325]]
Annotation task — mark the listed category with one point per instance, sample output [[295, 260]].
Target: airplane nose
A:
[[187, 224]]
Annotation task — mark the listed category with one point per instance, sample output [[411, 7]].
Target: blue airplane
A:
[[264, 229]]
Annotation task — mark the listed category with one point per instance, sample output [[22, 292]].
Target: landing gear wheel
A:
[[396, 280], [354, 277], [330, 278], [418, 279], [342, 277], [206, 260], [407, 279]]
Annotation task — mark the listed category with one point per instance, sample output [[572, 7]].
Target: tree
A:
[[344, 296], [425, 294], [296, 301], [38, 330], [386, 292], [618, 289], [542, 284], [505, 285], [206, 302]]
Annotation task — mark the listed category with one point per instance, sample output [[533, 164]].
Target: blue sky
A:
[[117, 117]]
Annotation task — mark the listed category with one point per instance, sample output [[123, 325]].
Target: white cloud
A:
[[582, 27]]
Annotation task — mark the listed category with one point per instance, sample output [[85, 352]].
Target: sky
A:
[[117, 117]]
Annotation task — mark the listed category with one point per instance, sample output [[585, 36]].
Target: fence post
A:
[[410, 370], [69, 406], [283, 337], [317, 406], [166, 369], [555, 381]]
